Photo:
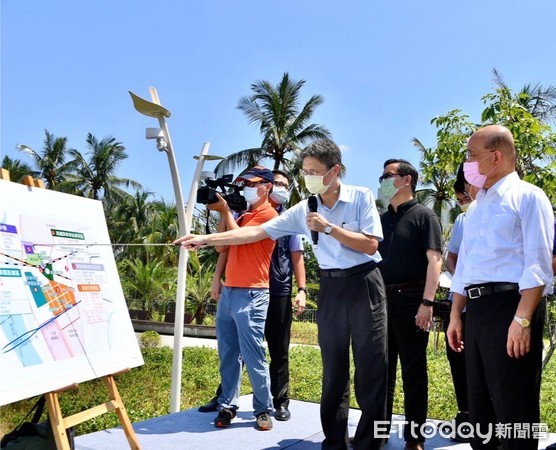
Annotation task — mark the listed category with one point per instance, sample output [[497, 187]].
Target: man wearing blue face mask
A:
[[411, 263]]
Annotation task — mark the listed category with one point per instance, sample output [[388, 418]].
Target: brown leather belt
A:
[[403, 286]]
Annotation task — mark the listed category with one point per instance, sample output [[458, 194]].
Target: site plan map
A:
[[63, 317]]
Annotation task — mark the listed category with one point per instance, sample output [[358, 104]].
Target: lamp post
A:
[[185, 216]]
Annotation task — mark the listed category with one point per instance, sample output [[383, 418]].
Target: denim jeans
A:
[[240, 323]]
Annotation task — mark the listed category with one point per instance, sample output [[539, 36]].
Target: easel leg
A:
[[121, 412], [57, 421]]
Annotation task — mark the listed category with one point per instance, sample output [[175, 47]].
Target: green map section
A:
[[67, 234]]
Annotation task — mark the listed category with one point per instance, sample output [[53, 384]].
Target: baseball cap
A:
[[257, 174]]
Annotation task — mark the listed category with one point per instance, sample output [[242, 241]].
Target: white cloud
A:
[[344, 148]]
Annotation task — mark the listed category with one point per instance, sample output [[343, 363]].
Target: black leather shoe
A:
[[282, 413], [210, 406]]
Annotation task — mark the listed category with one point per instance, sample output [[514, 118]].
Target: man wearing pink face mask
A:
[[503, 270]]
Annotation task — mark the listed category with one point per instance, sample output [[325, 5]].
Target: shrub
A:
[[150, 339]]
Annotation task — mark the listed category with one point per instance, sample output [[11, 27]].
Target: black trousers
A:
[[353, 309], [502, 390], [277, 333], [409, 343], [457, 367]]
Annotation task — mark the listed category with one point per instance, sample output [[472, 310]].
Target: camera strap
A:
[[207, 228]]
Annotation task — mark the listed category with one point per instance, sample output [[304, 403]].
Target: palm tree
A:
[[199, 283], [437, 191], [163, 228], [283, 125], [148, 286], [539, 100], [50, 163], [129, 222], [17, 169], [439, 165], [95, 178]]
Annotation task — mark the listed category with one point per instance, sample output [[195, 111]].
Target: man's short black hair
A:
[[405, 168], [460, 185], [325, 151], [283, 173]]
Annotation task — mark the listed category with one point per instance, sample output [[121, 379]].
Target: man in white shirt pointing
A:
[[352, 297]]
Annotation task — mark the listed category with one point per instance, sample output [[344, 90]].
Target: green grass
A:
[[146, 390], [304, 333]]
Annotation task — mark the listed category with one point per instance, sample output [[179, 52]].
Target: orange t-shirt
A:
[[248, 264]]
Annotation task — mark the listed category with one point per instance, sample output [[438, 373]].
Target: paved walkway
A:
[[191, 429]]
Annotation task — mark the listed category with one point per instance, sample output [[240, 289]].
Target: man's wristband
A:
[[426, 302], [302, 289]]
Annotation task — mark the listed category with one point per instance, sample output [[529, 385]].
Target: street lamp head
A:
[[149, 108], [209, 157], [25, 149]]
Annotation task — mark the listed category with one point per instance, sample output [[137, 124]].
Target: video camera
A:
[[206, 194]]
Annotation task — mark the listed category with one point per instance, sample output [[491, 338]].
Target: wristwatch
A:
[[426, 302], [328, 229], [523, 321]]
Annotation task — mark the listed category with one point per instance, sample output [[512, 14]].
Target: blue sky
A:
[[385, 69]]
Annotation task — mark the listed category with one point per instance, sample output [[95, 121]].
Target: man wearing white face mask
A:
[[503, 270], [459, 428], [287, 261], [243, 304], [411, 263], [352, 303]]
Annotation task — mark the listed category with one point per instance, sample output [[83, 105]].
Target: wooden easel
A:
[[60, 424], [57, 421], [27, 180]]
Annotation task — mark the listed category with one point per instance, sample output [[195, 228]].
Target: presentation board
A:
[[63, 316]]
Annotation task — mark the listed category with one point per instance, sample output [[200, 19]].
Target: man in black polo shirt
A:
[[411, 264]]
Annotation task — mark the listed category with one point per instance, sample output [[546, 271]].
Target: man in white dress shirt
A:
[[504, 269], [352, 296]]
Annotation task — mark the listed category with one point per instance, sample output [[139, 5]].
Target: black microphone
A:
[[313, 205]]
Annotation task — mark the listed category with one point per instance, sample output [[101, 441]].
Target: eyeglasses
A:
[[388, 175], [313, 173], [464, 200], [281, 184]]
